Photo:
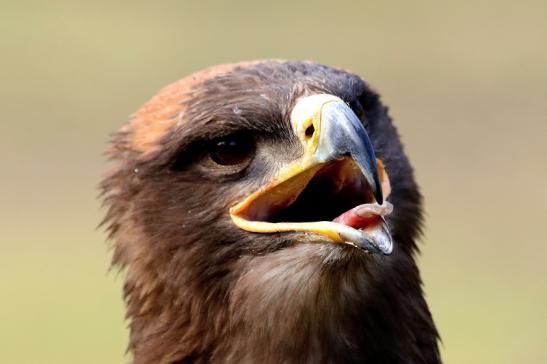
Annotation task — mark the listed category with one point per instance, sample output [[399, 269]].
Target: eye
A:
[[232, 150], [358, 109]]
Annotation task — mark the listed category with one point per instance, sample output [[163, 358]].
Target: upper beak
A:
[[336, 146], [342, 134]]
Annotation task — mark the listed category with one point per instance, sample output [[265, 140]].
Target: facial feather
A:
[[199, 289]]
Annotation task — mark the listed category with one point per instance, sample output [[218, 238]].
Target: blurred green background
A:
[[467, 86]]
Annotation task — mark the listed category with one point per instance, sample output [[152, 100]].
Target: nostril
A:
[[310, 130]]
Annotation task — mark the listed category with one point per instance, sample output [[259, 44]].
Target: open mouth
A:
[[333, 200], [325, 197], [334, 192]]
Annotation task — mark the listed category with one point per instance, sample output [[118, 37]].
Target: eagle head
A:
[[266, 212]]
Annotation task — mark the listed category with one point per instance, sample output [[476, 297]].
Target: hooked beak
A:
[[337, 175]]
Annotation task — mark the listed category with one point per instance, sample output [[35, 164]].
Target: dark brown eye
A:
[[358, 109], [232, 150]]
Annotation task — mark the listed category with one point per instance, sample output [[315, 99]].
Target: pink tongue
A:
[[364, 215]]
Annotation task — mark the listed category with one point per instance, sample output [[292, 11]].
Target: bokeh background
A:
[[466, 82]]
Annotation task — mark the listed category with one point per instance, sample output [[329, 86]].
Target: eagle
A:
[[265, 212]]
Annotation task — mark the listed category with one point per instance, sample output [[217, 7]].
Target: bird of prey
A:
[[265, 212]]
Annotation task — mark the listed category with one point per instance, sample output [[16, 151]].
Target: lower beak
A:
[[337, 153]]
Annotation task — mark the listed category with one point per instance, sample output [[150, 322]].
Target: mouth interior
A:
[[326, 194]]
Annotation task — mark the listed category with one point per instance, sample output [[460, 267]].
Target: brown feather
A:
[[199, 290]]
